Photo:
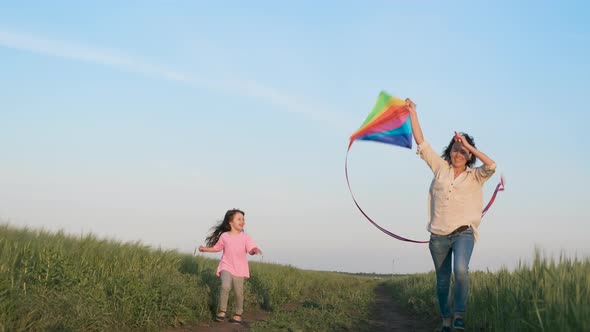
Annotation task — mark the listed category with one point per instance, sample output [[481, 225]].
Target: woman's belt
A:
[[460, 229]]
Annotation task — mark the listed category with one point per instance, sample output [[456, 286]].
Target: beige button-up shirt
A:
[[453, 202]]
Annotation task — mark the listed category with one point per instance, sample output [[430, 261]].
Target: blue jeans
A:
[[442, 247]]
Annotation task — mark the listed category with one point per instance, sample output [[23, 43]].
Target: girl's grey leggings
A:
[[227, 279]]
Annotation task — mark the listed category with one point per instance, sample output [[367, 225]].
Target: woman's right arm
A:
[[434, 161], [416, 129]]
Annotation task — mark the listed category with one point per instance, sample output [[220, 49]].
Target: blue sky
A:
[[146, 121]]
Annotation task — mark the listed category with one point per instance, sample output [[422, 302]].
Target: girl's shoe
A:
[[219, 317], [236, 321]]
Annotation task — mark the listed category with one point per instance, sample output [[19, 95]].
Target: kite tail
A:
[[499, 187], [395, 236]]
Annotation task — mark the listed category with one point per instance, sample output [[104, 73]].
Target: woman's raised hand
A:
[[461, 139], [410, 105]]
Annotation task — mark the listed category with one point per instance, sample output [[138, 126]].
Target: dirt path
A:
[[213, 326], [387, 316]]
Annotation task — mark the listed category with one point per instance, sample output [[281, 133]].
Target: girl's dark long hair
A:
[[223, 227], [447, 152]]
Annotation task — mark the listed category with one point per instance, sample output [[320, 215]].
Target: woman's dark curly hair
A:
[[222, 227], [447, 152]]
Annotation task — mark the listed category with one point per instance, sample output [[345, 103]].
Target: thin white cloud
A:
[[275, 97], [88, 54], [101, 56]]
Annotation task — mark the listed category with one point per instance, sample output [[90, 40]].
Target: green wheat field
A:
[[60, 282]]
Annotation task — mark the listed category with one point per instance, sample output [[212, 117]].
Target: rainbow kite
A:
[[389, 122]]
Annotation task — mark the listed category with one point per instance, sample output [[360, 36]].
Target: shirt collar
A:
[[467, 169]]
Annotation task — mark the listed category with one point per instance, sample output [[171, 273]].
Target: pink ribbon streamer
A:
[[499, 187]]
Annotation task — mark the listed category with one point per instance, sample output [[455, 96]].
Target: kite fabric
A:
[[389, 122]]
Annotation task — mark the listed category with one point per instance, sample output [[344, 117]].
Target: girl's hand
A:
[[202, 249], [410, 106], [255, 251]]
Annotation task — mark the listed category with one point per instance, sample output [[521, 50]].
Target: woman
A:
[[455, 207]]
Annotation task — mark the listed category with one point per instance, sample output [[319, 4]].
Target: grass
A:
[[324, 301], [58, 282], [548, 295]]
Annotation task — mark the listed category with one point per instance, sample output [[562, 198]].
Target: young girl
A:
[[230, 237]]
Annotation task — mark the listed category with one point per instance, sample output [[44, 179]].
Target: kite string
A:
[[499, 187]]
